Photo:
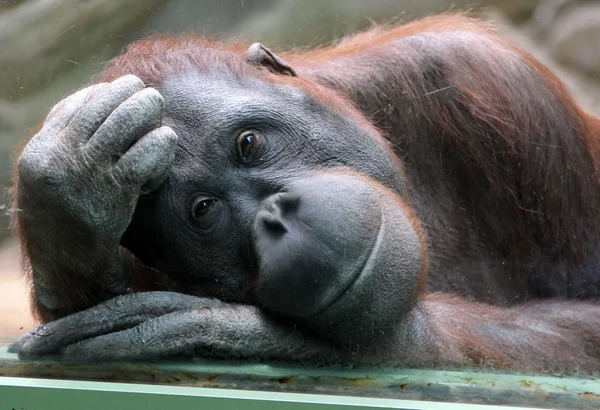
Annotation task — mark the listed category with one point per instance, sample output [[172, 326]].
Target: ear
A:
[[261, 56]]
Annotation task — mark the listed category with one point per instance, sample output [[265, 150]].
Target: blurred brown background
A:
[[49, 47]]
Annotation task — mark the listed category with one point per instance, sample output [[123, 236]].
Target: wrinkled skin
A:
[[295, 214], [77, 171], [287, 231], [208, 114]]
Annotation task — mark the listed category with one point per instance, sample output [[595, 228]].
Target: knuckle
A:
[[42, 331], [169, 135], [131, 80], [153, 97], [75, 101], [125, 87], [122, 173], [165, 138], [81, 97], [144, 106], [56, 110], [26, 166], [121, 303], [139, 337], [34, 167]]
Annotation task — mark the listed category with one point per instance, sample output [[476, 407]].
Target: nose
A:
[[276, 211]]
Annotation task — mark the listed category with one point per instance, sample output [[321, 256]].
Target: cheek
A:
[[364, 153], [224, 273], [225, 253]]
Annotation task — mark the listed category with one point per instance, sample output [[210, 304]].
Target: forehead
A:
[[207, 110], [198, 97]]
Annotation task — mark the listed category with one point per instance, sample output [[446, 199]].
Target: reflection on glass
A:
[[241, 203]]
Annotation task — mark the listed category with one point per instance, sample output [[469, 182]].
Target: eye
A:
[[247, 144], [201, 206]]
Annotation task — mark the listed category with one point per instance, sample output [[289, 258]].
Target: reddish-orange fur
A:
[[556, 211]]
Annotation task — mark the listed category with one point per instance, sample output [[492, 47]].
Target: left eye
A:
[[247, 144], [201, 206]]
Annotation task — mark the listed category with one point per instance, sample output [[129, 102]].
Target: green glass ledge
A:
[[182, 385]]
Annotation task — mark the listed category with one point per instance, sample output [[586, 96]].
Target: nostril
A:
[[276, 212], [273, 224], [288, 202]]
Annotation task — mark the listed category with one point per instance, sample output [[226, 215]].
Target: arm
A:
[[152, 325], [321, 310], [78, 181], [439, 331], [549, 336]]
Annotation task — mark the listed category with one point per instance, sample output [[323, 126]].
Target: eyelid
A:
[[197, 199], [209, 223], [258, 150]]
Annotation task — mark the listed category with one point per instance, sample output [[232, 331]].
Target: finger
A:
[[71, 329], [16, 345], [120, 313], [128, 122], [61, 115], [62, 112], [149, 160], [226, 331], [165, 336], [84, 111], [101, 104]]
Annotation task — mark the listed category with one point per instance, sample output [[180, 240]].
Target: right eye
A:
[[202, 206]]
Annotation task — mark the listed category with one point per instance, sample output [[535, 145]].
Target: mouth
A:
[[365, 270]]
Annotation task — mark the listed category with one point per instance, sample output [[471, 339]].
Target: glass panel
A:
[[409, 213]]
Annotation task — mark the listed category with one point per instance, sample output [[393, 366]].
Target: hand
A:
[[98, 150], [80, 178], [152, 325]]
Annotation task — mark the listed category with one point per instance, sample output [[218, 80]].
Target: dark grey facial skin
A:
[[342, 256], [506, 212], [338, 251], [214, 255]]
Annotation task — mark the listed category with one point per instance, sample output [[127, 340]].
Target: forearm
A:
[[77, 185], [71, 269], [538, 336]]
